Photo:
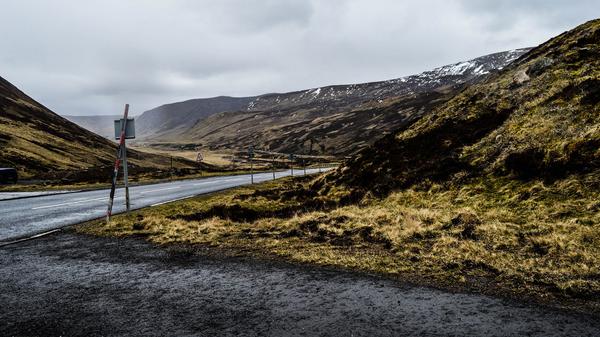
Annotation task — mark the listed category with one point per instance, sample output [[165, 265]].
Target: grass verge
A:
[[500, 236]]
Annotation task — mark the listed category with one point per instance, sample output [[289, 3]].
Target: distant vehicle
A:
[[8, 176]]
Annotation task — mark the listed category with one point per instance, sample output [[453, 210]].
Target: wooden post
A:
[[115, 174], [273, 165], [304, 165]]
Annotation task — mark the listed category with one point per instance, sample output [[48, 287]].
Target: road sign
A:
[[130, 128], [251, 152]]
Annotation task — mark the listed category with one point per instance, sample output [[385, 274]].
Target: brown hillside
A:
[[539, 117]]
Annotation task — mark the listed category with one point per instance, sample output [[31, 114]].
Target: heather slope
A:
[[538, 118]]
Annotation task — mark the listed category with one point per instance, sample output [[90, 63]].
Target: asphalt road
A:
[[27, 216], [74, 285]]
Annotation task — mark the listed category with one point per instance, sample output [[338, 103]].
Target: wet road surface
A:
[[73, 285], [25, 217]]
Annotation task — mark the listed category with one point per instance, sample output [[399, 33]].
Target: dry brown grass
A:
[[528, 237]]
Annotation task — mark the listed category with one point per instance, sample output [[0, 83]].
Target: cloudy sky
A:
[[90, 57]]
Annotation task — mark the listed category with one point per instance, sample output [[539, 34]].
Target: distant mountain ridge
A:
[[331, 119], [355, 94], [176, 117], [338, 119]]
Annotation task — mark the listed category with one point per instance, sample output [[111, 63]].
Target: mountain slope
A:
[[500, 183], [39, 143], [335, 119], [538, 118], [169, 120]]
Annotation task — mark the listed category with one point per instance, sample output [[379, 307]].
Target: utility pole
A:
[[273, 165], [199, 159], [292, 163], [304, 165], [171, 171], [250, 156]]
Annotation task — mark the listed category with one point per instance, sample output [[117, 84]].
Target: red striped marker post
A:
[[120, 149]]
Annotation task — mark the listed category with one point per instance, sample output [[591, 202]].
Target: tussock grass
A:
[[529, 237]]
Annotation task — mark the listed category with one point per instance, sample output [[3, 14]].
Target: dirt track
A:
[[74, 285]]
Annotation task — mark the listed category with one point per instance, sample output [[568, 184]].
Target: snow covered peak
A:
[[354, 94]]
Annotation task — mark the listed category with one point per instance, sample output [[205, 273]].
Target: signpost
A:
[[124, 129], [273, 165], [250, 156], [199, 157], [304, 166], [291, 158]]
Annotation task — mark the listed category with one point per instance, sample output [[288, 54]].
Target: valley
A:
[[461, 200]]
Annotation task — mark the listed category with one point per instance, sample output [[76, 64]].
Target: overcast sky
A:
[[91, 57]]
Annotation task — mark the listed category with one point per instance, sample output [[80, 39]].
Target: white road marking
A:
[[233, 179], [70, 203], [161, 189], [220, 181], [206, 182]]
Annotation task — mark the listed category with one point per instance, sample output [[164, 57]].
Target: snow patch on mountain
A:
[[355, 94]]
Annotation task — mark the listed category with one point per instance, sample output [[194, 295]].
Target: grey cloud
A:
[[552, 14], [251, 16], [92, 57]]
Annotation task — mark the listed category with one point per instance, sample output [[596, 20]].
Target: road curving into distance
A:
[[24, 217]]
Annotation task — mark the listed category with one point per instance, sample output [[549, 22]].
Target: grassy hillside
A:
[[41, 144], [170, 121], [314, 130], [538, 118]]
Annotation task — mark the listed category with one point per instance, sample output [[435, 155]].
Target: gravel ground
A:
[[73, 285]]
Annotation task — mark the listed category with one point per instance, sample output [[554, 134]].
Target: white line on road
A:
[[160, 189], [69, 203], [219, 181], [206, 182]]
